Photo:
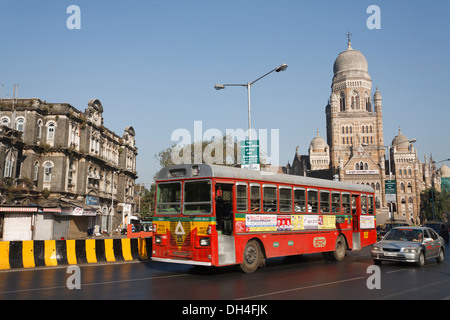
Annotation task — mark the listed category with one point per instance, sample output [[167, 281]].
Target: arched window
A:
[[20, 124], [51, 131], [9, 164], [409, 187], [402, 187], [36, 172], [366, 166], [48, 172], [342, 101], [39, 128]]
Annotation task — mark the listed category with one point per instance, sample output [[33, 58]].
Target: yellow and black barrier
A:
[[36, 253]]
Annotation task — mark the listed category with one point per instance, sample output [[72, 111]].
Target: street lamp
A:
[[282, 67]]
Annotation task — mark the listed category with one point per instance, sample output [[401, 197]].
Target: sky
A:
[[153, 65]]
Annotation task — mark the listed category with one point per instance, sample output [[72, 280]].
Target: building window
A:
[[9, 165], [48, 172], [51, 131], [36, 172], [39, 127], [5, 121], [20, 124], [342, 102]]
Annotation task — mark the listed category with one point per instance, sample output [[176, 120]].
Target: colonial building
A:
[[83, 172], [355, 149]]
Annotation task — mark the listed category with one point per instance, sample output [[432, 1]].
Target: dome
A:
[[350, 59], [400, 141], [444, 171], [351, 63], [318, 144]]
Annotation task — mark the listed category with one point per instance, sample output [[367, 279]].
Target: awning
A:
[[19, 209]]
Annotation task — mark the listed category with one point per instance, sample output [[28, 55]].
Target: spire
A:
[[349, 43]]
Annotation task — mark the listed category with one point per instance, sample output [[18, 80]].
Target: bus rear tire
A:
[[253, 257], [339, 252]]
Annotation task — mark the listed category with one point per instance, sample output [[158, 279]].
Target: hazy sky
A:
[[153, 65]]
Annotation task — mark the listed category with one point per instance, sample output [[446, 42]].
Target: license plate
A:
[[390, 254]]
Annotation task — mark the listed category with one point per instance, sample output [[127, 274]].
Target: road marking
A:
[[97, 283], [301, 288]]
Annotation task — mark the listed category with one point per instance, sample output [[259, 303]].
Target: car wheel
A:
[[252, 257], [421, 260], [440, 258]]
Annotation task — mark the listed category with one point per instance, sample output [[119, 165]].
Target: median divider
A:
[[38, 253]]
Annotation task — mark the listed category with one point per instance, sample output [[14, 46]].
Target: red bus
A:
[[216, 216]]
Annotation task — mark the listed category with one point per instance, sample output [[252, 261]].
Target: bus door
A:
[[356, 211], [224, 222]]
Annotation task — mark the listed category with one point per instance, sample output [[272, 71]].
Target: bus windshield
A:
[[169, 198], [197, 197]]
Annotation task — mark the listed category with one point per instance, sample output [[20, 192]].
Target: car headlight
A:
[[376, 248], [406, 250]]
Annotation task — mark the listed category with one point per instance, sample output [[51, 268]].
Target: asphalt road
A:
[[292, 278]]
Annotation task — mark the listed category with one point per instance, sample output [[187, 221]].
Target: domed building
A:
[[354, 149]]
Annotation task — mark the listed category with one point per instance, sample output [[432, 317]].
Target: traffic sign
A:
[[390, 190], [250, 154]]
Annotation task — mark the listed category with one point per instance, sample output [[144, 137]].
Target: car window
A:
[[433, 234]]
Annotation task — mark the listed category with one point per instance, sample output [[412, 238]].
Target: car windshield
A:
[[405, 235]]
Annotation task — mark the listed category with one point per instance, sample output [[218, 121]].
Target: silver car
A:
[[409, 244]]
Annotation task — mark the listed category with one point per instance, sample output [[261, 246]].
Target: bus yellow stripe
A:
[[109, 250], [71, 253], [90, 251], [4, 255], [50, 253], [126, 249], [27, 254]]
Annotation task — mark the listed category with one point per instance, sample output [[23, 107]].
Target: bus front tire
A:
[[253, 257]]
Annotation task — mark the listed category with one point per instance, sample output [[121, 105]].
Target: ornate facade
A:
[[355, 149]]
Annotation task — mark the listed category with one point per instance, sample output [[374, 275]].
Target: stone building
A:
[[355, 149], [81, 170]]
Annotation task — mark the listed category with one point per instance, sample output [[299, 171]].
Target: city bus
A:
[[213, 215]]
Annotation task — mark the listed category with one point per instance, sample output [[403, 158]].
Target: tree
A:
[[433, 201], [225, 151]]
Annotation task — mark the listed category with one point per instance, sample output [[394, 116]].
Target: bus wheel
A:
[[340, 250], [252, 257]]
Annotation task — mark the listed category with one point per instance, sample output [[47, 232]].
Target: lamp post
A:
[[248, 85]]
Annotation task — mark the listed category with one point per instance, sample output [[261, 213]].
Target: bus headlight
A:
[[204, 242], [157, 239]]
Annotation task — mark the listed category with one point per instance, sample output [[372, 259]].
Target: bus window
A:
[[346, 203], [325, 201], [313, 201], [354, 211], [363, 204], [285, 199], [270, 198], [255, 198], [335, 202], [299, 200], [169, 198], [197, 197], [241, 197], [370, 204]]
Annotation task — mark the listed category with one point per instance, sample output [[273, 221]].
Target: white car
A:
[[409, 244]]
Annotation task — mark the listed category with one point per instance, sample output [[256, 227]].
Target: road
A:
[[293, 278]]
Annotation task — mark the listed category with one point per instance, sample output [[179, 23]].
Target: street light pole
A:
[[248, 85]]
